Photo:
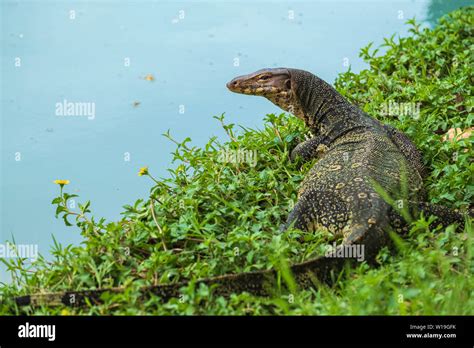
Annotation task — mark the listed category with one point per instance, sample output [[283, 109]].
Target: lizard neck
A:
[[326, 111]]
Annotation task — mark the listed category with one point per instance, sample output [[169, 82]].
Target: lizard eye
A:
[[264, 77]]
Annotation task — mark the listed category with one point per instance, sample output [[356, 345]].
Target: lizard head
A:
[[274, 84]]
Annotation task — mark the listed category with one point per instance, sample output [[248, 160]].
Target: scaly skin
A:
[[356, 154]]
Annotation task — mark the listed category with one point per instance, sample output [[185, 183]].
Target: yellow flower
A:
[[61, 182], [149, 77], [65, 311], [143, 171]]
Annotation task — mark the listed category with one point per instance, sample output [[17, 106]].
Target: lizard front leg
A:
[[309, 149]]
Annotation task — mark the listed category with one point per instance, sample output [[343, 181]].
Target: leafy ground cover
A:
[[220, 209]]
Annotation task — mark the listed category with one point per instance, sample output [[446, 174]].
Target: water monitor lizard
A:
[[356, 155]]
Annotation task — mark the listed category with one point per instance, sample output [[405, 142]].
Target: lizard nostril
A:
[[232, 84]]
